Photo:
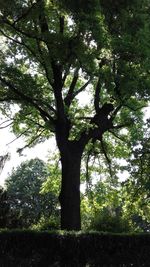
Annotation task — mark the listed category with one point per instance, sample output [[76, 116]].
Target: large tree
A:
[[53, 51]]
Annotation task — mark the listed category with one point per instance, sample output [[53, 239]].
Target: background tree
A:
[[3, 159], [53, 51], [24, 193], [4, 208], [136, 189], [111, 203]]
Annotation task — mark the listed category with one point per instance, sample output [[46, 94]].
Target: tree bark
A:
[[70, 189]]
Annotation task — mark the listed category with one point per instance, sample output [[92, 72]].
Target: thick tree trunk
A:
[[70, 190]]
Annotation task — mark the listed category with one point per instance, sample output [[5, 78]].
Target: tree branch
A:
[[65, 74], [122, 125], [5, 121], [115, 112], [97, 96], [8, 99], [57, 86], [27, 99], [134, 109], [82, 88], [19, 150], [69, 96], [18, 30], [47, 105], [16, 138], [3, 127], [22, 44], [101, 124], [26, 13], [61, 24], [118, 137], [44, 64], [106, 157], [84, 118]]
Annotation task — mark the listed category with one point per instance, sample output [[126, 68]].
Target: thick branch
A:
[[61, 24], [95, 134], [69, 96], [42, 19], [102, 123], [44, 64], [102, 114], [43, 103], [57, 86]]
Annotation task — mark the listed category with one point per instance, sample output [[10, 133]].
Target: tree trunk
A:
[[70, 190]]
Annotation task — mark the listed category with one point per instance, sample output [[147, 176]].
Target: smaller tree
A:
[[24, 193], [3, 159], [4, 208]]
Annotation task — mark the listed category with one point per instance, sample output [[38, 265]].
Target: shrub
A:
[[109, 221], [52, 223], [38, 249]]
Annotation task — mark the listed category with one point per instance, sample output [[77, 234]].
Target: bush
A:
[[40, 249], [52, 223], [110, 221]]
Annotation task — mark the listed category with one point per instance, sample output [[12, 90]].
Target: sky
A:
[[41, 151]]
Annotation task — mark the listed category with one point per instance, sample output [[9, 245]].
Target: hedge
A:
[[30, 248]]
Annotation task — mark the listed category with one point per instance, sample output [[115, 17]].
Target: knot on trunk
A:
[[101, 118]]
